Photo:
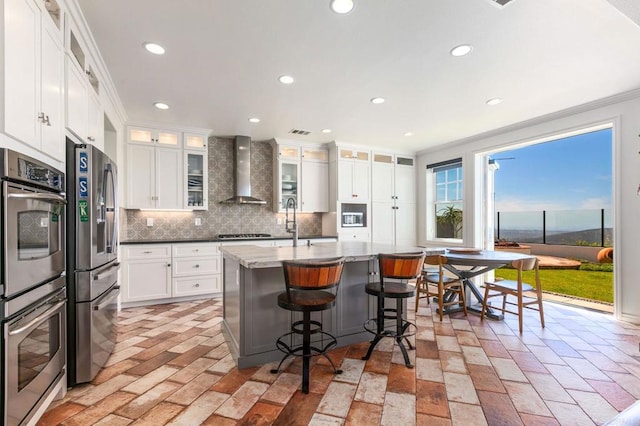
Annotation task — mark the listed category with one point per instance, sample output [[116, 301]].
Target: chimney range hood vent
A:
[[242, 173]]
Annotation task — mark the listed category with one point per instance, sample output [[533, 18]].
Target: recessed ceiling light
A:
[[463, 49], [326, 130], [286, 79], [341, 6], [161, 105], [154, 48], [408, 134], [377, 100], [494, 101], [254, 120]]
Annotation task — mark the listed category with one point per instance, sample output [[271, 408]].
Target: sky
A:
[[573, 173]]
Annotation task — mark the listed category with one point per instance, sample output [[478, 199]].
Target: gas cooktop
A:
[[242, 236]]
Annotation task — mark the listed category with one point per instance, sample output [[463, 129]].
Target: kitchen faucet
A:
[[291, 226]]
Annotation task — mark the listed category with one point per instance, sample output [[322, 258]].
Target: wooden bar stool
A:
[[311, 286], [401, 268]]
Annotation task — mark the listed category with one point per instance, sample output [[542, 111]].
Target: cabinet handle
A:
[[46, 120], [197, 285], [196, 266], [41, 117], [196, 249], [91, 138], [168, 264], [147, 252]]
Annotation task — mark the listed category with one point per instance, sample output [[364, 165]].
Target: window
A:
[[446, 217]]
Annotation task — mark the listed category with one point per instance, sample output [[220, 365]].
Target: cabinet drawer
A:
[[196, 266], [154, 251], [202, 284], [196, 249]]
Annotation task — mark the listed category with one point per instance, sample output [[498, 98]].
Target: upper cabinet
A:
[[393, 205], [196, 182], [166, 169], [353, 175], [85, 115], [195, 141], [314, 174], [33, 75], [300, 173]]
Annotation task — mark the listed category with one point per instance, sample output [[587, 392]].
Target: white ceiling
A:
[[223, 59]]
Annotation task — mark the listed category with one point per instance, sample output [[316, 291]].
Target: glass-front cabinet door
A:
[[289, 180], [195, 166], [195, 141]]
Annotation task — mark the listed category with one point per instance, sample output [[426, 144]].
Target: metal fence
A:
[[562, 227]]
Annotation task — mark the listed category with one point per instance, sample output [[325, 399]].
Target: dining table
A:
[[467, 263]]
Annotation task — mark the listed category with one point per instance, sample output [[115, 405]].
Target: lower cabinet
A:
[[165, 271]]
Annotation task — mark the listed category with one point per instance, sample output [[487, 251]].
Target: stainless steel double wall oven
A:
[[32, 284], [92, 264]]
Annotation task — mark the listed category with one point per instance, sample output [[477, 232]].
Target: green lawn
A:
[[593, 285]]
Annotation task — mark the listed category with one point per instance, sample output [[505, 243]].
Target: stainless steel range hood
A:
[[242, 173]]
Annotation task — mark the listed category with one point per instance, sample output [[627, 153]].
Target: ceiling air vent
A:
[[500, 3], [299, 132]]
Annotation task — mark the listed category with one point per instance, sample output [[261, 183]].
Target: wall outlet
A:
[[149, 221], [198, 221]]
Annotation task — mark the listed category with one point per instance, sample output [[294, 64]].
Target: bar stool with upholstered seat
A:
[[311, 286], [401, 268]]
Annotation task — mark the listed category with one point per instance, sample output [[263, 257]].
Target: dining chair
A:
[[526, 294], [434, 282]]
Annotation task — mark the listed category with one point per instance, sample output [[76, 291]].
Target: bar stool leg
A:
[[306, 351], [400, 334], [379, 328]]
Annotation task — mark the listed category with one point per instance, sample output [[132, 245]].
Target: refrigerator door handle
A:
[[113, 243], [107, 272], [104, 301]]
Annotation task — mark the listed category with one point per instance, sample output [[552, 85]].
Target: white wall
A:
[[624, 112]]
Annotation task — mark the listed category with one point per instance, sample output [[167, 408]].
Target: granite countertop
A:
[[221, 240], [254, 257]]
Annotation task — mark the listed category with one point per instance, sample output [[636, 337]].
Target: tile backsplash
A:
[[221, 218]]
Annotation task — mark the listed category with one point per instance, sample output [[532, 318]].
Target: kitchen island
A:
[[253, 278]]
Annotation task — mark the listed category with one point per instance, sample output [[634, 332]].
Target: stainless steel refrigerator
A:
[[92, 260]]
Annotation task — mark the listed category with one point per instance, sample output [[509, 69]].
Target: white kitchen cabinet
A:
[[286, 176], [194, 141], [85, 114], [352, 234], [155, 137], [146, 272], [154, 169], [151, 183], [300, 172], [168, 185], [314, 176], [33, 70], [353, 175], [163, 175], [393, 206], [195, 179], [197, 269], [154, 272]]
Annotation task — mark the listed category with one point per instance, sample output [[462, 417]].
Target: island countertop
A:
[[254, 257]]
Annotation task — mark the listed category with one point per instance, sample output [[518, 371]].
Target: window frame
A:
[[432, 196]]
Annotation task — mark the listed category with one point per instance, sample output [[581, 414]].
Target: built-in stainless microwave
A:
[[354, 215]]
